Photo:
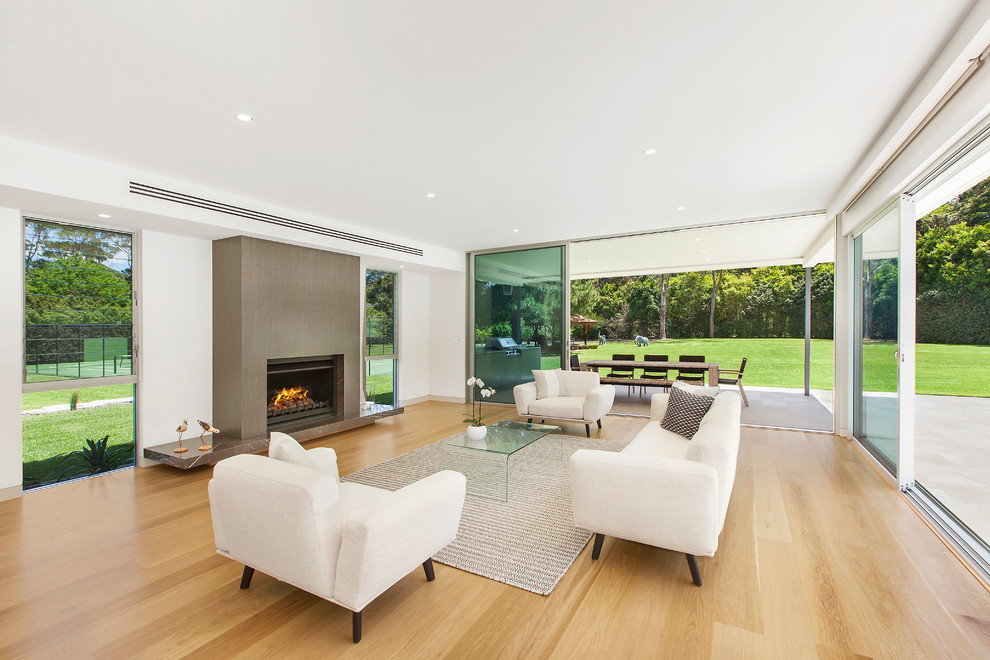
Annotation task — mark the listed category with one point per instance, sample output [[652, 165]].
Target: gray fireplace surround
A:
[[275, 301]]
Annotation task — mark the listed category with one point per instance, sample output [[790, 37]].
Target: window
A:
[[379, 337], [79, 375]]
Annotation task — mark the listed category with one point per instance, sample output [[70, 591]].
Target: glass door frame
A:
[[565, 307], [903, 472]]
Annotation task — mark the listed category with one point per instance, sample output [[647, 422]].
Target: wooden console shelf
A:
[[223, 447]]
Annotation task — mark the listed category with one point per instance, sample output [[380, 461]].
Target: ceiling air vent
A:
[[220, 207]]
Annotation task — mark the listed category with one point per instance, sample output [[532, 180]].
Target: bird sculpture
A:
[[207, 428], [182, 429]]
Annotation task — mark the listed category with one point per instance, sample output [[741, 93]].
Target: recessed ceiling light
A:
[[650, 151], [401, 266], [703, 251], [243, 116], [102, 215], [697, 240], [515, 231], [431, 195], [589, 261], [681, 208]]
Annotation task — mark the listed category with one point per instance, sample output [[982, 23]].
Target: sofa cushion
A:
[[547, 383], [654, 440], [558, 407], [284, 447], [695, 389], [685, 411]]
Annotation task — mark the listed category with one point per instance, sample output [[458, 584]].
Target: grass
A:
[[946, 369], [34, 400], [53, 434]]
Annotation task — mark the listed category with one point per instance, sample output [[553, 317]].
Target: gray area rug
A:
[[529, 541]]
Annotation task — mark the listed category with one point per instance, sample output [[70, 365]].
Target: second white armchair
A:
[[570, 396]]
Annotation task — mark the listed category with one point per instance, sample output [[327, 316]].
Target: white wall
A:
[[11, 350], [414, 337], [175, 342], [448, 310]]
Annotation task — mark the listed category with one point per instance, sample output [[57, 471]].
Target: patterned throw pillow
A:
[[684, 412]]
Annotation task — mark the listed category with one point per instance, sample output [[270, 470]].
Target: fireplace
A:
[[302, 388]]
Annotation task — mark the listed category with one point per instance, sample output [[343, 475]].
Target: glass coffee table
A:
[[485, 462]]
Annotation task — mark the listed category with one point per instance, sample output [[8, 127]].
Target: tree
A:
[[716, 280], [662, 280]]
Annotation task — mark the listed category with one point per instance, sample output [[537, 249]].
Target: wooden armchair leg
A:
[[428, 568], [356, 626]]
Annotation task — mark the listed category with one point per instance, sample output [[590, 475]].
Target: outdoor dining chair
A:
[[623, 372], [696, 376], [655, 373], [734, 377]]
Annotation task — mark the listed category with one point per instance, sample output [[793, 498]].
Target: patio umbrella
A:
[[577, 319]]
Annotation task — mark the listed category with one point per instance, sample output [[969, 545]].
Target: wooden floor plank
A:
[[819, 556]]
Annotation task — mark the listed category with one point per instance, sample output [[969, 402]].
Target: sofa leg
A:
[[599, 423], [587, 430], [246, 577], [693, 565], [596, 551], [428, 568], [356, 626]]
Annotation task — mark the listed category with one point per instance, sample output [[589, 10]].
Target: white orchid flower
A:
[[471, 381], [480, 382], [487, 392]]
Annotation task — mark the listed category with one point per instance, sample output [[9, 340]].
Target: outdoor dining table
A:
[[712, 367]]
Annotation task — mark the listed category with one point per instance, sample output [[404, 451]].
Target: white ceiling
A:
[[517, 115], [761, 243]]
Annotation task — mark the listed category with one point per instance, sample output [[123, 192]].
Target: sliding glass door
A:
[[884, 338], [518, 311]]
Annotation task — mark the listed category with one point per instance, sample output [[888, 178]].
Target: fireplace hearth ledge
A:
[[225, 447]]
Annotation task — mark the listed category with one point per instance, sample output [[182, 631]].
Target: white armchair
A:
[[570, 396], [344, 542]]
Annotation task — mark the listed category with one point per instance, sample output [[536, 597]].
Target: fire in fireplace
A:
[[300, 388]]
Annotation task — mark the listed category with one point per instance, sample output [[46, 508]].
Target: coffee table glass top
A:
[[504, 437]]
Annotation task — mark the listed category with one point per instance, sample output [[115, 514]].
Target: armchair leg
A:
[[695, 574], [529, 421], [587, 430], [599, 423], [428, 568], [596, 551], [356, 626], [246, 577]]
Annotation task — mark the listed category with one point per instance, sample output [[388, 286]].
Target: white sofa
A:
[[569, 396], [662, 489], [294, 520]]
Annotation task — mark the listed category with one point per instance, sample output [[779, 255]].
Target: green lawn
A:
[[60, 433], [942, 368], [34, 400]]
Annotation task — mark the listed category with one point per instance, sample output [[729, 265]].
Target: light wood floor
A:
[[819, 557]]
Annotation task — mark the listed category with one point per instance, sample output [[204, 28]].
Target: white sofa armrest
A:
[[391, 536], [325, 460], [524, 395], [658, 406], [664, 502], [598, 402]]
